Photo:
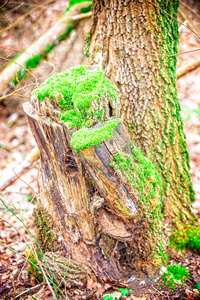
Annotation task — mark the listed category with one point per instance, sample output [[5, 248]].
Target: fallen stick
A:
[[22, 168], [188, 67], [40, 48]]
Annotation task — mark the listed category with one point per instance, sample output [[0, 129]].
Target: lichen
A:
[[122, 207], [46, 236]]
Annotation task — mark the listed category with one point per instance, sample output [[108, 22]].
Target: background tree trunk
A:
[[93, 206], [136, 42]]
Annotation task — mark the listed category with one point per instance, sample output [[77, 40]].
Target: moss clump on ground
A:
[[188, 236], [175, 275], [90, 137]]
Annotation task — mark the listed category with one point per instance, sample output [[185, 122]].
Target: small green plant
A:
[[31, 199], [116, 295], [198, 286], [125, 291], [175, 275]]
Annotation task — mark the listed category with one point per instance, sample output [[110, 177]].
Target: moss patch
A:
[[175, 275], [46, 237], [147, 185], [188, 236], [84, 95], [90, 137]]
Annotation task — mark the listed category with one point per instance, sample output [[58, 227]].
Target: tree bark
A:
[[136, 43], [89, 209]]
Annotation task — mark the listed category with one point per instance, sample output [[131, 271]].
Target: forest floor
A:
[[16, 142]]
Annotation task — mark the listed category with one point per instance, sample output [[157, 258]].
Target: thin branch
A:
[[25, 15], [4, 4]]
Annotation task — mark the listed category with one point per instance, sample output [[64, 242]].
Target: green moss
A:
[[86, 9], [83, 98], [90, 137], [168, 48], [175, 275], [87, 44], [147, 185], [188, 236], [73, 2], [79, 88], [46, 236], [33, 62]]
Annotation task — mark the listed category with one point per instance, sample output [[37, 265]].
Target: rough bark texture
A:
[[89, 210], [136, 44]]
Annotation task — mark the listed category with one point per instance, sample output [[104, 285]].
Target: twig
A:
[[188, 67], [145, 50], [22, 168], [4, 4], [30, 290], [189, 8], [39, 46], [25, 15]]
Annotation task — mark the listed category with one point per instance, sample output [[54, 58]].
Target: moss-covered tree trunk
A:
[[136, 42], [102, 200]]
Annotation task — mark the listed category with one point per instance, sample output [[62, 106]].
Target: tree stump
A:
[[100, 205]]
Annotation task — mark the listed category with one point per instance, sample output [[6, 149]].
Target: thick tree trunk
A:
[[136, 43]]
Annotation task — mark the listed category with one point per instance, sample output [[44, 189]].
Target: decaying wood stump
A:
[[90, 209]]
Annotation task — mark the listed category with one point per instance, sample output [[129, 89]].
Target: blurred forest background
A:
[[21, 23]]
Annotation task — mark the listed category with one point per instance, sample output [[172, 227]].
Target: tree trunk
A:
[[102, 206], [136, 42]]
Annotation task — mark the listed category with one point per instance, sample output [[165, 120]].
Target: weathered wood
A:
[[91, 206]]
